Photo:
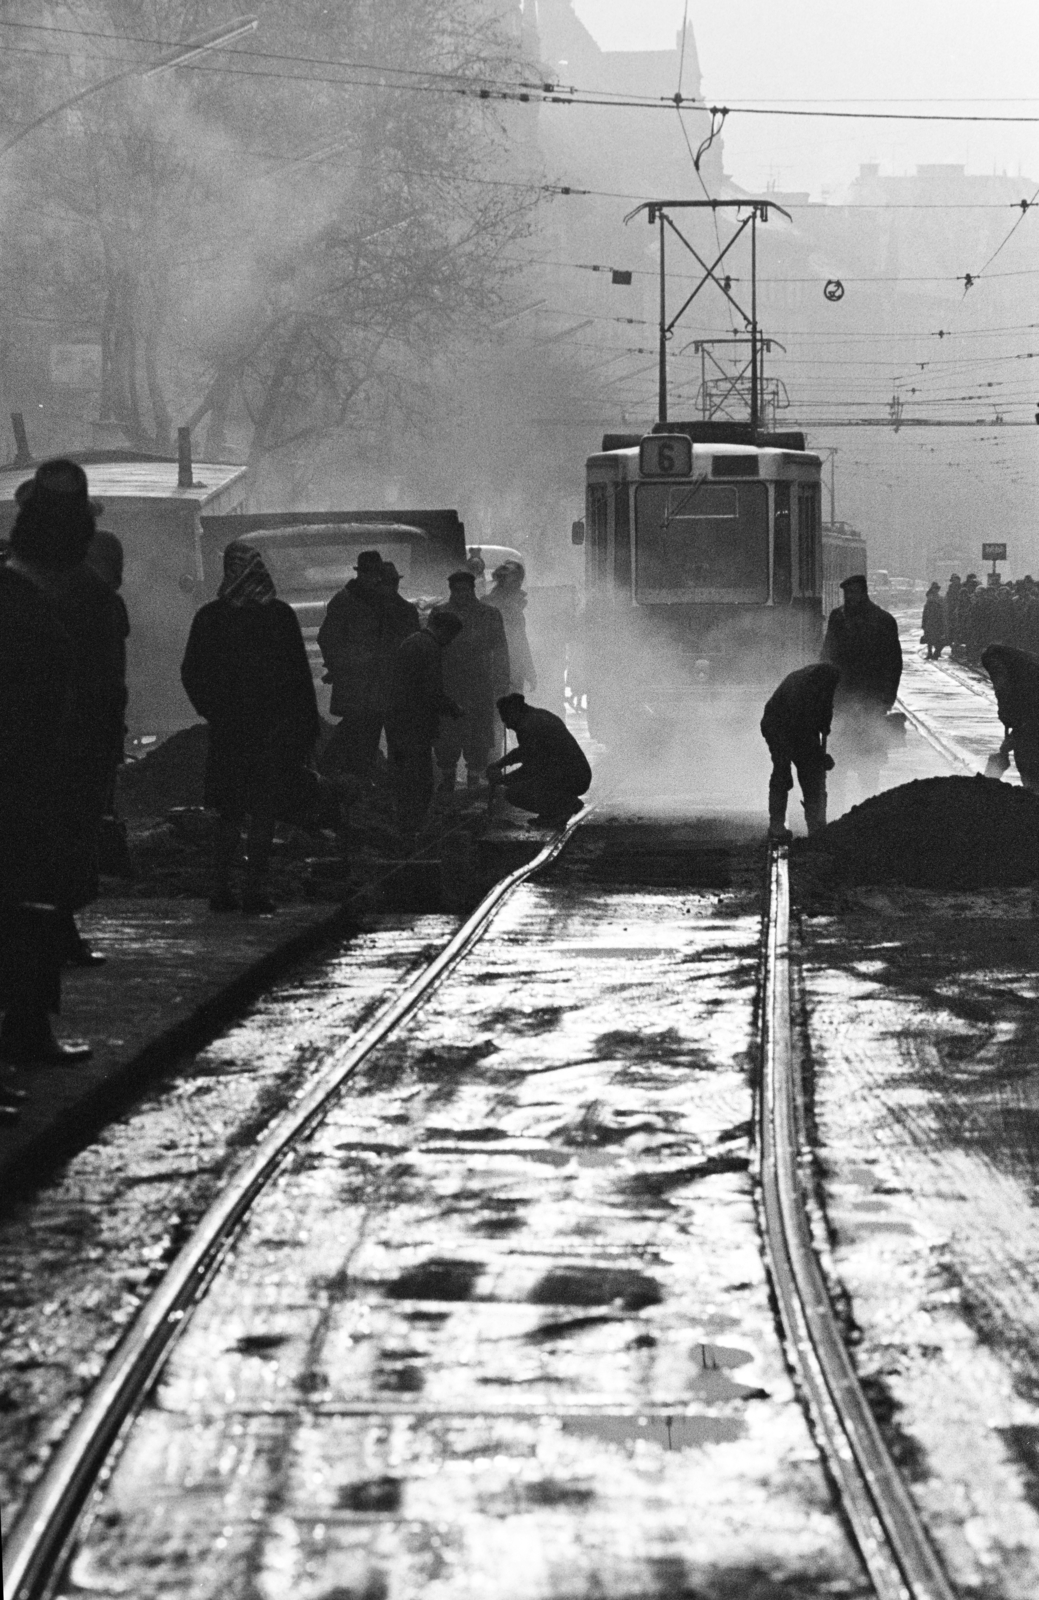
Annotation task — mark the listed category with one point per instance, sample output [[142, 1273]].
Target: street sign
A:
[[666, 455], [993, 552]]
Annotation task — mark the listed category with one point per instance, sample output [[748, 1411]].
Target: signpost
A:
[[993, 553]]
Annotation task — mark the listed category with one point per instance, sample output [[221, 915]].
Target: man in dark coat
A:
[[553, 771], [416, 704], [355, 639], [953, 599], [93, 618], [934, 623], [38, 699], [246, 672], [476, 673], [796, 726], [862, 643], [400, 621], [1015, 678]]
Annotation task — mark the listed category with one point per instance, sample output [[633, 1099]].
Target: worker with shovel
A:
[[1015, 678]]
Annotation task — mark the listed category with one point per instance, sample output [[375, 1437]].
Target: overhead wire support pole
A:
[[656, 212], [755, 397], [664, 333]]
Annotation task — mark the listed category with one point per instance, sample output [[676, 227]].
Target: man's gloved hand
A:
[[997, 764], [828, 763]]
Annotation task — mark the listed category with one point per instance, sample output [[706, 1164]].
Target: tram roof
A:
[[773, 458], [119, 479]]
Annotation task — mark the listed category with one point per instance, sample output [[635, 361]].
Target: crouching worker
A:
[[553, 772], [796, 725], [1015, 678]]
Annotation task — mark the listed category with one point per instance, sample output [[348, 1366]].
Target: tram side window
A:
[[782, 562], [597, 553], [808, 540]]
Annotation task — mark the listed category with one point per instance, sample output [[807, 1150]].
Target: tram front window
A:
[[702, 542]]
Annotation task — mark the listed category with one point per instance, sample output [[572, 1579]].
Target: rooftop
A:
[[139, 480]]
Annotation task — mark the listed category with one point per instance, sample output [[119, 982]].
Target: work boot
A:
[[224, 899], [779, 833]]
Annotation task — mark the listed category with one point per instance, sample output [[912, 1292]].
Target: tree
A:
[[277, 237]]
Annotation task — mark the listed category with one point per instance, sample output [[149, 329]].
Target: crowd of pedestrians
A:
[[971, 615], [439, 691]]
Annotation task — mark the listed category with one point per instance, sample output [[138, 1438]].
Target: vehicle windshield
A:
[[296, 568], [701, 541]]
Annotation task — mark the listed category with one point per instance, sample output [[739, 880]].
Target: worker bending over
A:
[[796, 725], [553, 771], [1015, 678]]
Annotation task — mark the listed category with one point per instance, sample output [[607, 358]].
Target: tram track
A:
[[886, 1529], [35, 1551]]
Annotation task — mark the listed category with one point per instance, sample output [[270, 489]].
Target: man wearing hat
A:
[[353, 640], [862, 643], [476, 672]]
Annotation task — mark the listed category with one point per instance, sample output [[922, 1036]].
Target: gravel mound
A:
[[170, 775], [937, 833]]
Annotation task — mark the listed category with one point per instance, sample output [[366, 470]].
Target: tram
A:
[[703, 567], [844, 556]]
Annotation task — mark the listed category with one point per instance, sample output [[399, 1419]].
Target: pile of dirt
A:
[[171, 775], [936, 833]]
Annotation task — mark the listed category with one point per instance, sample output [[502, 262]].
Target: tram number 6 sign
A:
[[666, 455]]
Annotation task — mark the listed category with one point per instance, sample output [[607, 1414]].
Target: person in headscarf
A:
[[39, 694], [510, 598], [246, 673], [1015, 678], [55, 509]]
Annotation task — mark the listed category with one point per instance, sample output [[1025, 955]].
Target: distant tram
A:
[[703, 566]]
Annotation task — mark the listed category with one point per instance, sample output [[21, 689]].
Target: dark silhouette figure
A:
[[42, 706], [796, 726], [476, 672], [105, 557], [553, 770], [862, 643], [1015, 678], [246, 672], [92, 745], [934, 623], [356, 640], [416, 704]]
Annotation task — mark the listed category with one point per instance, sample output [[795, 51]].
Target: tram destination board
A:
[[666, 455], [993, 552]]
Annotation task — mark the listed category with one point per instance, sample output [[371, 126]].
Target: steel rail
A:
[[36, 1549], [946, 748], [896, 1552]]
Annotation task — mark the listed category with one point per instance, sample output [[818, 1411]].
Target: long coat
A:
[[94, 618], [512, 603], [934, 622], [353, 640], [416, 700], [864, 647], [246, 672], [476, 662]]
